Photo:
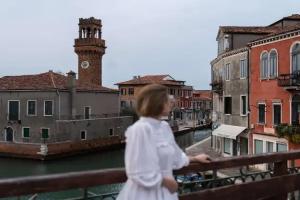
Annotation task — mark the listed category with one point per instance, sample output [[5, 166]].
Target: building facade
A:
[[274, 91], [202, 106], [235, 96], [182, 94], [53, 108]]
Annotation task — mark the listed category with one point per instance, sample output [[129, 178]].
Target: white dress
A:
[[151, 153]]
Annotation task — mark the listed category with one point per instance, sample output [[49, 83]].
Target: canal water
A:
[[10, 167]]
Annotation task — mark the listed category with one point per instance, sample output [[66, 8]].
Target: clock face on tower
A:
[[85, 64]]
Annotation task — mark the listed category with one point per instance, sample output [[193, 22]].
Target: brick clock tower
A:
[[90, 48]]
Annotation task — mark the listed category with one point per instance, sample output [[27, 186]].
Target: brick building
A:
[[274, 89], [181, 93], [202, 105]]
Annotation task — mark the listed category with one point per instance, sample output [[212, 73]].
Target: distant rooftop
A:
[[151, 79], [291, 17], [202, 94], [45, 82]]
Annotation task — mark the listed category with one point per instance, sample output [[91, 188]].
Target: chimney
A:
[[71, 85]]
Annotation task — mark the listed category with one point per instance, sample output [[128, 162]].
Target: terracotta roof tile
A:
[[284, 30], [202, 94], [45, 81], [291, 17], [150, 79], [249, 29]]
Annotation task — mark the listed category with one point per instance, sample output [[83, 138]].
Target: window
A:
[[172, 92], [270, 147], [243, 106], [296, 57], [280, 147], [261, 113], [48, 108], [264, 66], [87, 112], [227, 72], [123, 91], [111, 131], [45, 133], [83, 135], [31, 108], [273, 64], [26, 132], [243, 69], [227, 105], [131, 91], [227, 142], [276, 114], [123, 104], [13, 110], [258, 146], [131, 104]]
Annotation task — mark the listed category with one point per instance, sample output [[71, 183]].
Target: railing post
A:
[[85, 193], [280, 168]]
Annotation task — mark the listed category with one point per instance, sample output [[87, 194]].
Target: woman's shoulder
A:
[[139, 126]]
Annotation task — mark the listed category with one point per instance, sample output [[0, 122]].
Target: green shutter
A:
[[25, 132], [45, 133]]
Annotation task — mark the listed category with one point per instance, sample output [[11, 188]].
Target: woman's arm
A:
[[170, 183], [202, 158]]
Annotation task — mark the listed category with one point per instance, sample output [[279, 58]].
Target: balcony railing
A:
[[277, 185], [289, 80], [88, 117], [217, 87]]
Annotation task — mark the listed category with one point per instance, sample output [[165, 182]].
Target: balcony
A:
[[289, 81], [275, 183], [217, 87], [290, 132]]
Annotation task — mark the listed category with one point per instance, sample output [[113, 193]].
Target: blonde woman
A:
[[151, 152]]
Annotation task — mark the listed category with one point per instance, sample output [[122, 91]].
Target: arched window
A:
[[273, 64], [264, 65], [89, 33], [83, 33], [95, 33], [296, 58]]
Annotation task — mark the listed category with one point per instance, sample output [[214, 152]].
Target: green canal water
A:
[[10, 167]]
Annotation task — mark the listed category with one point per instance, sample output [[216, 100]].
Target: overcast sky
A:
[[175, 37]]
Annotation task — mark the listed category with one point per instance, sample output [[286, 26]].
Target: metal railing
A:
[[289, 80], [217, 87], [86, 117]]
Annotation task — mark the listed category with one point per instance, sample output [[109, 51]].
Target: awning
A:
[[228, 131]]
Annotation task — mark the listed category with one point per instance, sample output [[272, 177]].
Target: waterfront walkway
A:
[[204, 146]]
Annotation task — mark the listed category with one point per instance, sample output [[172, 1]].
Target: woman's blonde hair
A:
[[151, 100]]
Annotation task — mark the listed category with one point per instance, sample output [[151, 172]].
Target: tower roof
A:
[[90, 21]]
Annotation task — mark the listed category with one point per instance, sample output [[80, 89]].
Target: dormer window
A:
[[226, 42]]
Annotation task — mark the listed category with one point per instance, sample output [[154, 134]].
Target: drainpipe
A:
[[71, 84], [248, 114]]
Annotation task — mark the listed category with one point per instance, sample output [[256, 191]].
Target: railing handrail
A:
[[49, 183], [272, 188], [245, 160]]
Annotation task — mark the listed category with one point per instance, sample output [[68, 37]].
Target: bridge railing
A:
[[281, 182]]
